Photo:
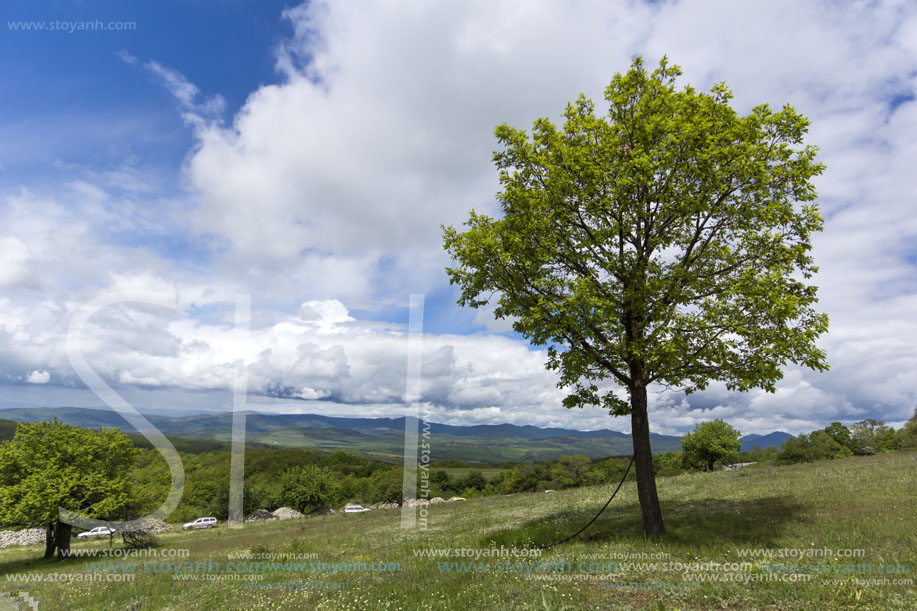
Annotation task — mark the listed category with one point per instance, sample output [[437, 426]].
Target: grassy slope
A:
[[867, 503]]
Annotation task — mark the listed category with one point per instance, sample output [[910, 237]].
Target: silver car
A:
[[200, 523], [98, 531]]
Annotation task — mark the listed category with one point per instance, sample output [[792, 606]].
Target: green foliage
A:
[[386, 486], [307, 487], [907, 435], [49, 465], [363, 481], [864, 438], [711, 442], [440, 480], [666, 234], [449, 463], [473, 481], [797, 449], [7, 429], [817, 445], [764, 456], [671, 463], [873, 436], [664, 242], [570, 471], [841, 434]]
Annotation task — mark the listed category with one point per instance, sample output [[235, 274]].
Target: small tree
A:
[[873, 436], [49, 466], [139, 538], [711, 442], [907, 435], [841, 434], [797, 449], [307, 487], [666, 242], [826, 446], [570, 471]]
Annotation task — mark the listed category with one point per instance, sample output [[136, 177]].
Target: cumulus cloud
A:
[[382, 128], [14, 256], [322, 354], [325, 193], [38, 377]]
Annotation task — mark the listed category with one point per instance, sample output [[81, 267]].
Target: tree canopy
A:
[[711, 442], [306, 487], [49, 466], [908, 433], [666, 242]]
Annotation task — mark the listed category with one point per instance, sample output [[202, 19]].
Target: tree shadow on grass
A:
[[24, 564], [697, 523], [28, 564]]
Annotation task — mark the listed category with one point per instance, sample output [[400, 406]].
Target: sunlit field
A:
[[812, 518]]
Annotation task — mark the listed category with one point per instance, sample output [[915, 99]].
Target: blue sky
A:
[[306, 155]]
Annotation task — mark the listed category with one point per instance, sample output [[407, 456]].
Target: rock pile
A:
[[286, 513], [155, 526], [384, 506], [260, 515], [423, 502], [29, 536]]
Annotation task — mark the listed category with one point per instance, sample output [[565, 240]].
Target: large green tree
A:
[[49, 466], [666, 242], [710, 442]]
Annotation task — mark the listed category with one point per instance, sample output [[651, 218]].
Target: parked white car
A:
[[98, 531], [200, 523], [354, 509]]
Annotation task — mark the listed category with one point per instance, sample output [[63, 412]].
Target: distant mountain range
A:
[[775, 439], [380, 438]]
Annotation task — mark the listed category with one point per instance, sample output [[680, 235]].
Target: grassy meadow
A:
[[864, 503]]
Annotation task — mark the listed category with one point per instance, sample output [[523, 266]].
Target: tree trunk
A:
[[50, 541], [62, 538], [643, 461]]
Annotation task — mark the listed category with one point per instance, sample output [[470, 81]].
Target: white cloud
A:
[[386, 133], [195, 108], [38, 377], [328, 189], [14, 257], [126, 57]]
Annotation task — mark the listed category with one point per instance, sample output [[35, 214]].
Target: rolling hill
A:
[[379, 438], [775, 439]]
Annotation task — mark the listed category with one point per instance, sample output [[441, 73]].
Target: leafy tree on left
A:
[[50, 465]]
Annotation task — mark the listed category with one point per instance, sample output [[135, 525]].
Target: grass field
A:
[[864, 504]]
